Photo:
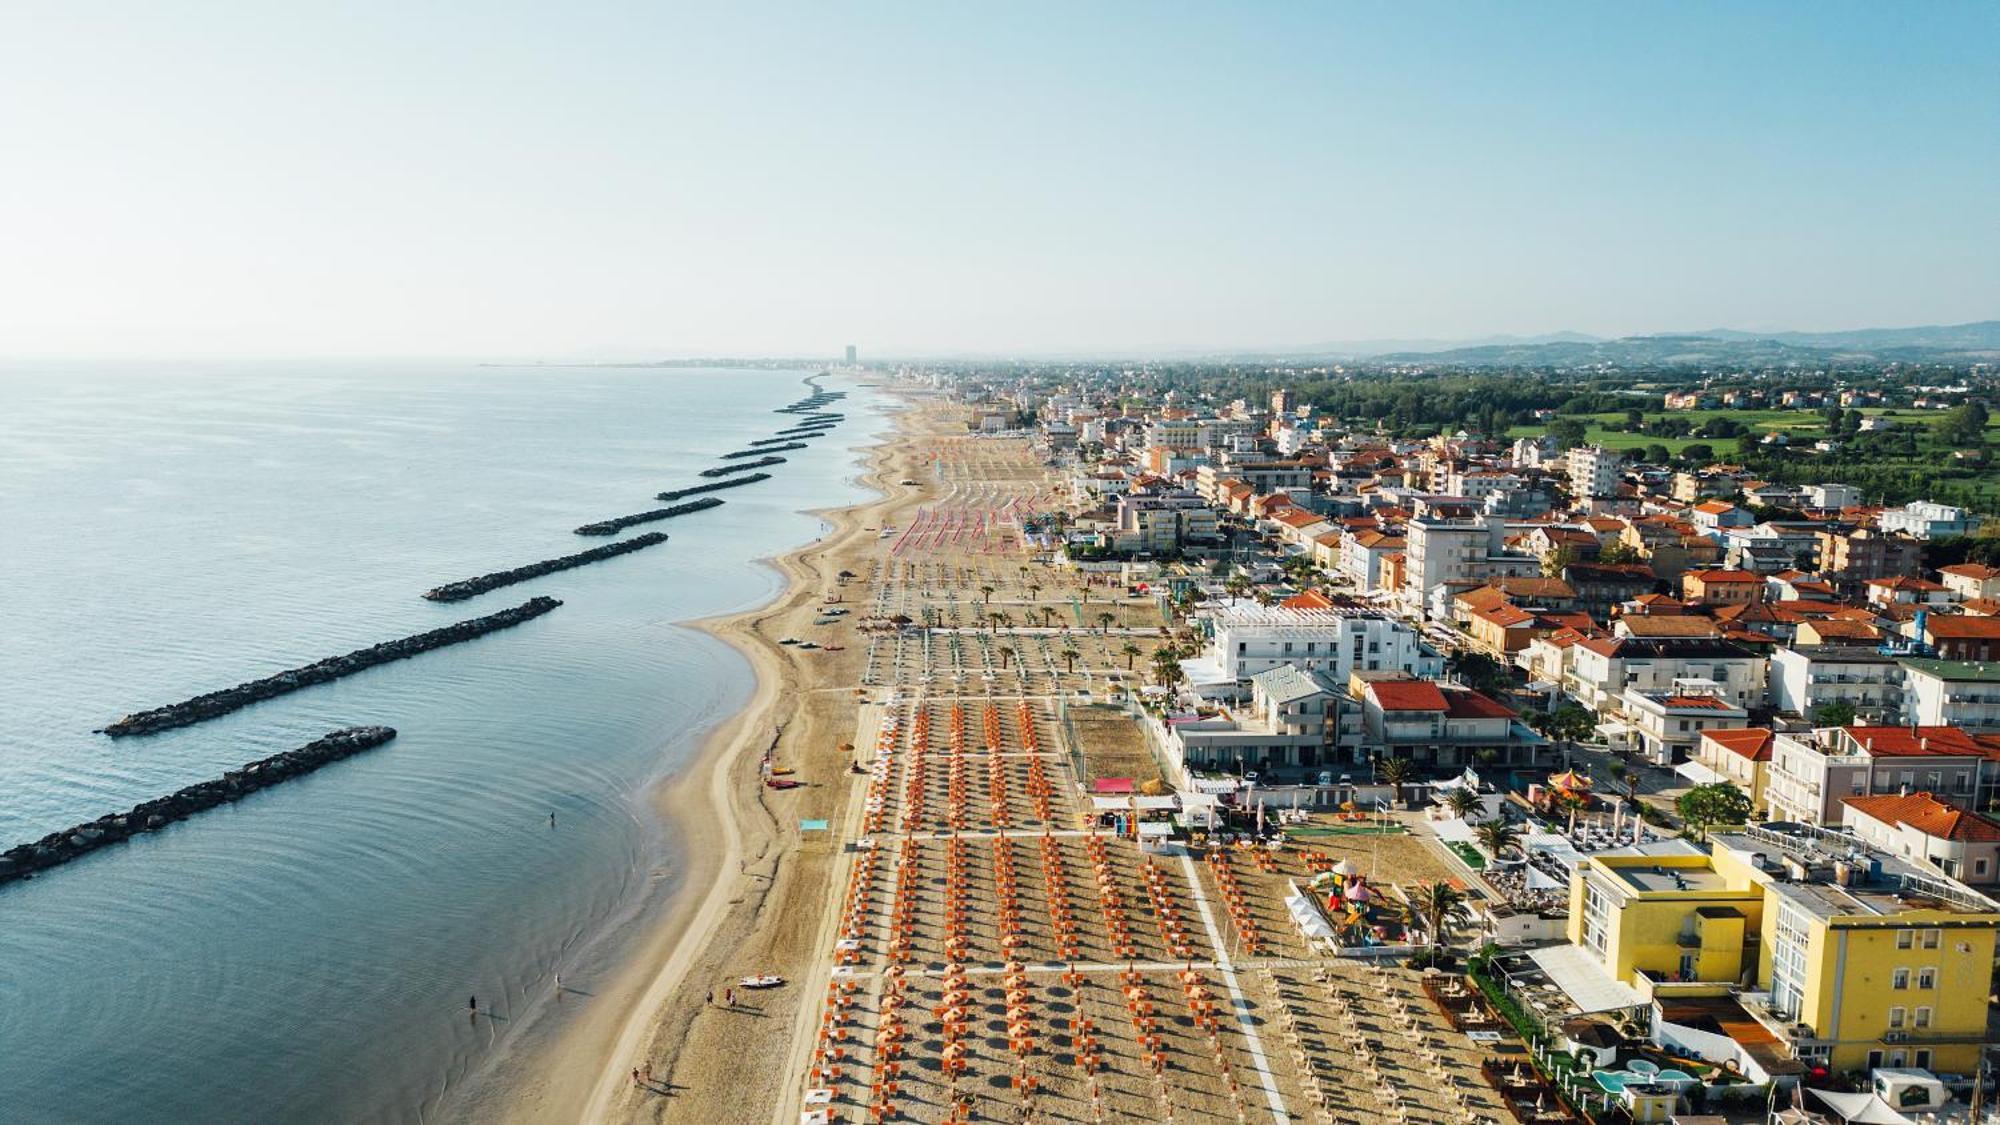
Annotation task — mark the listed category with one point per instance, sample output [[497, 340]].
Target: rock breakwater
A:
[[466, 588], [217, 703], [754, 450], [726, 470], [58, 848], [614, 526], [698, 489]]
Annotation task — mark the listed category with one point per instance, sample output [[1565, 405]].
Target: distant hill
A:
[[1722, 347]]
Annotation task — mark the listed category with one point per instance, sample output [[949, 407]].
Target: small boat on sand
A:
[[766, 981]]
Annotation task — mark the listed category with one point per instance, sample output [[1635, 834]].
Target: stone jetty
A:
[[58, 848], [804, 432], [783, 440], [754, 451], [698, 489], [217, 703], [461, 590], [726, 470], [614, 526]]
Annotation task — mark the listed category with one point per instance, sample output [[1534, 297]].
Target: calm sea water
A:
[[307, 954]]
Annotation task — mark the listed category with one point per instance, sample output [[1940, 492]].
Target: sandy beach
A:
[[752, 889]]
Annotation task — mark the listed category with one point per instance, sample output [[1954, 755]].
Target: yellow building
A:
[[1866, 961]]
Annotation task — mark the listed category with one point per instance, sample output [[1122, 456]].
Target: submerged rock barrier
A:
[[217, 703], [803, 432], [781, 440], [754, 450], [614, 526], [465, 588], [725, 470], [698, 489], [58, 848]]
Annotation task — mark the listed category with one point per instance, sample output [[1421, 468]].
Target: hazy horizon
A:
[[612, 183]]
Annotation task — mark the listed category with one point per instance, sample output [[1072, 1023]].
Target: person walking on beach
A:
[[472, 1002], [552, 819], [729, 998], [635, 1076]]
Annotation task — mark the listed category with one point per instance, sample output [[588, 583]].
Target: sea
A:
[[309, 953]]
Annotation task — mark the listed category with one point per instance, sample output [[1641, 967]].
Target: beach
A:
[[753, 891]]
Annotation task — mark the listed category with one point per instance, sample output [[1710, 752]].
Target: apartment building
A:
[[1603, 669], [1954, 693], [1922, 519], [1248, 639], [1665, 726], [1802, 680], [1593, 472], [1847, 961], [1811, 775], [1929, 831]]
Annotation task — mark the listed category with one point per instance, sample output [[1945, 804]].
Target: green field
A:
[[1803, 426]]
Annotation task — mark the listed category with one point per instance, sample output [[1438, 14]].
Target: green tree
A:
[[1698, 454], [1839, 713], [1658, 454], [1620, 553], [1964, 425], [1396, 772], [1706, 806], [1568, 432], [1462, 802], [1439, 908], [1131, 653], [1498, 836], [1069, 656]]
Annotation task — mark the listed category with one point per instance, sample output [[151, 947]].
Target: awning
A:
[[1699, 774], [1862, 1108], [1584, 980], [1307, 915]]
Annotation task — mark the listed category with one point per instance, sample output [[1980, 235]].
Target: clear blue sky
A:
[[587, 180]]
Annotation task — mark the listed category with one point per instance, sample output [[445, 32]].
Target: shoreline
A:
[[717, 814]]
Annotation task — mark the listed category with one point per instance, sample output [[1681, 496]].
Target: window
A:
[[1874, 1060], [1905, 938], [1923, 1058], [1923, 1016], [1979, 866], [1899, 979], [1931, 938], [1896, 1016], [1896, 1057], [1926, 978]]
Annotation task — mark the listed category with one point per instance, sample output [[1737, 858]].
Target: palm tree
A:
[[994, 621], [1397, 772], [1069, 656], [1462, 802], [1104, 621], [986, 595], [1438, 906], [1006, 656], [1498, 836], [1131, 652], [1166, 668], [1046, 612]]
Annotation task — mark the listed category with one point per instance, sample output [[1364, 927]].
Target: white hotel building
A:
[[1248, 639]]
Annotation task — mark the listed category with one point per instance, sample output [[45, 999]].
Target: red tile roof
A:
[[1407, 695], [1928, 815], [1464, 703], [1956, 627], [1898, 742], [1753, 743]]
